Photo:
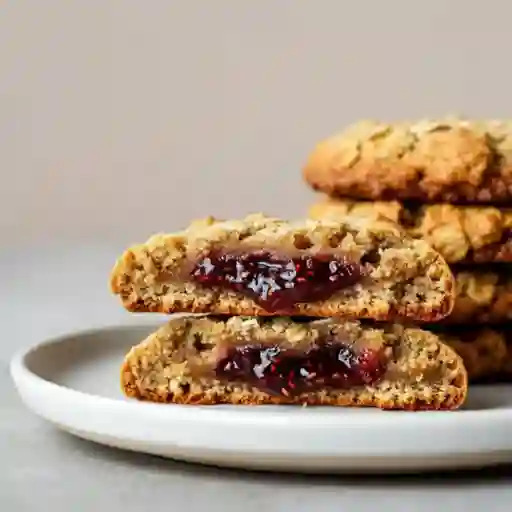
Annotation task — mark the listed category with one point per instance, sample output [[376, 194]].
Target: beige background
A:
[[119, 118], [171, 109]]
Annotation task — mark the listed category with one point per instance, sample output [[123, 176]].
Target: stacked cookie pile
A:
[[448, 182], [291, 312]]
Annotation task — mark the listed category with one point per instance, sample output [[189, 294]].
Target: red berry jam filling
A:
[[274, 282], [288, 372]]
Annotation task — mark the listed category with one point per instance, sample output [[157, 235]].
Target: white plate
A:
[[73, 382]]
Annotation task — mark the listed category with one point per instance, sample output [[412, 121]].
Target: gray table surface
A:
[[43, 467]]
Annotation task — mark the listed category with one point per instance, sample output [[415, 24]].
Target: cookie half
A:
[[461, 234], [352, 268], [453, 160], [278, 360]]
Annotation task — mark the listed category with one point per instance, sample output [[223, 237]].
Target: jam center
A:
[[277, 283], [287, 372]]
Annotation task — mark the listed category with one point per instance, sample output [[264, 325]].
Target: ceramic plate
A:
[[73, 382]]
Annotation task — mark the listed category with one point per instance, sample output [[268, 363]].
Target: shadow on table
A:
[[88, 449]]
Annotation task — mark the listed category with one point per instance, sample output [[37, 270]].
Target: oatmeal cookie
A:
[[482, 297], [506, 370], [278, 360], [352, 268], [484, 350], [461, 234], [445, 160]]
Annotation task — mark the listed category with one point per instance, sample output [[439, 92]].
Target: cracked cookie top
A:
[[355, 266], [478, 234], [451, 159], [356, 236]]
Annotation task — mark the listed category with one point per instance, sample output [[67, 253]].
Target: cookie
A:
[[461, 234], [352, 268], [277, 360], [486, 352], [483, 297], [506, 369], [446, 160]]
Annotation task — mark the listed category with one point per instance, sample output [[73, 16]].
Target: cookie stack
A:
[[448, 182], [279, 312]]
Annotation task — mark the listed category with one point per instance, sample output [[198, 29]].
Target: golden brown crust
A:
[[362, 399], [452, 160], [427, 374], [484, 350], [461, 234], [506, 369], [225, 305], [409, 280], [482, 297]]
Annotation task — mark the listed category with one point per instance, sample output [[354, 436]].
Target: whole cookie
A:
[[460, 233], [450, 159]]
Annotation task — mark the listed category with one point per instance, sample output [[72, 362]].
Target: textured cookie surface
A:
[[485, 351], [400, 277], [177, 364], [506, 369], [461, 234], [483, 297], [453, 160]]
